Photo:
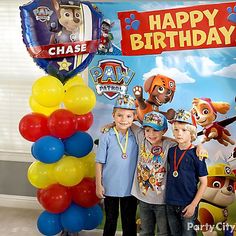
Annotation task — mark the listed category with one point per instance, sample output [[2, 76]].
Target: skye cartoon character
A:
[[67, 28], [205, 112], [161, 90], [105, 44], [218, 196]]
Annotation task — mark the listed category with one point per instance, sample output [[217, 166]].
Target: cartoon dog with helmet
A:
[[105, 44], [205, 111], [161, 90], [69, 20], [217, 197]]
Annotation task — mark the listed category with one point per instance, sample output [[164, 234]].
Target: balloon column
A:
[[64, 168], [62, 37]]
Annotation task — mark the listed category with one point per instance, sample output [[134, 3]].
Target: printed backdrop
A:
[[206, 68], [198, 73]]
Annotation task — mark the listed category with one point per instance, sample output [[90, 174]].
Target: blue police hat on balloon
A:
[[155, 120], [125, 101], [69, 3]]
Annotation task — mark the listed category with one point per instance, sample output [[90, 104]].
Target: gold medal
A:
[[175, 173], [124, 156]]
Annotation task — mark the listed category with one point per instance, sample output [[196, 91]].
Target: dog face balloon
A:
[[61, 35]]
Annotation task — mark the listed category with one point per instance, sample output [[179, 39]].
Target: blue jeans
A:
[[153, 215], [179, 225]]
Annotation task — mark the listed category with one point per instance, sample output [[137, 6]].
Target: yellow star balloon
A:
[[64, 65]]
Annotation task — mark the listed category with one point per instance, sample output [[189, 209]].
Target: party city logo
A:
[[111, 77], [220, 226]]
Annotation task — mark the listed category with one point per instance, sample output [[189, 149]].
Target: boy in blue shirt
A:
[[186, 170], [115, 166]]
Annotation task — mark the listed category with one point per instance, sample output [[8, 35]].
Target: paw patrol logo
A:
[[42, 13], [111, 78]]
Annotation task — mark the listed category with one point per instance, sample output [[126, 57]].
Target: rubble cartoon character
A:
[[105, 44], [205, 111], [67, 27], [218, 196], [161, 90]]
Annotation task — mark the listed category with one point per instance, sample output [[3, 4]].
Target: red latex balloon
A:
[[84, 122], [84, 193], [61, 123], [55, 198], [38, 195], [33, 126]]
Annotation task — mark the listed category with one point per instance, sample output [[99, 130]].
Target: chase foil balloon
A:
[[61, 35]]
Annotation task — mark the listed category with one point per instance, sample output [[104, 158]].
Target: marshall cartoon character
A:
[[218, 196], [161, 90], [159, 176], [69, 20], [205, 111], [145, 178], [105, 44]]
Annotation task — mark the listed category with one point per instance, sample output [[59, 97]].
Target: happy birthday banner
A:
[[196, 27]]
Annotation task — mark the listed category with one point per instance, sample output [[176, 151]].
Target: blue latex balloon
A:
[[54, 42], [48, 149], [73, 218], [79, 145], [49, 224], [93, 217], [32, 152]]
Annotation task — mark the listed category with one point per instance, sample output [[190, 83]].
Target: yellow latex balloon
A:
[[40, 175], [69, 171], [36, 107], [76, 80], [80, 99], [48, 91], [89, 164], [91, 171]]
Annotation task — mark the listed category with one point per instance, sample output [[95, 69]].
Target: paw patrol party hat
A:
[[155, 120], [184, 116], [125, 101]]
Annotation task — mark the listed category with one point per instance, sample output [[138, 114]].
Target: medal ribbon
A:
[[124, 149], [180, 159]]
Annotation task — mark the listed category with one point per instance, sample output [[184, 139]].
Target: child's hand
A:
[[188, 211], [100, 191], [201, 152], [107, 127]]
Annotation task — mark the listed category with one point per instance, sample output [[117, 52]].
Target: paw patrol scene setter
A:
[[169, 56]]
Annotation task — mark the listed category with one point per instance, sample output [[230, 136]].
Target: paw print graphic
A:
[[132, 23], [138, 92], [109, 72], [232, 14]]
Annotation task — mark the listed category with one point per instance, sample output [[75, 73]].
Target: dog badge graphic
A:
[[111, 77]]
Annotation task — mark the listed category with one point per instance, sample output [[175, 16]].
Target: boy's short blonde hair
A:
[[116, 108], [191, 128]]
